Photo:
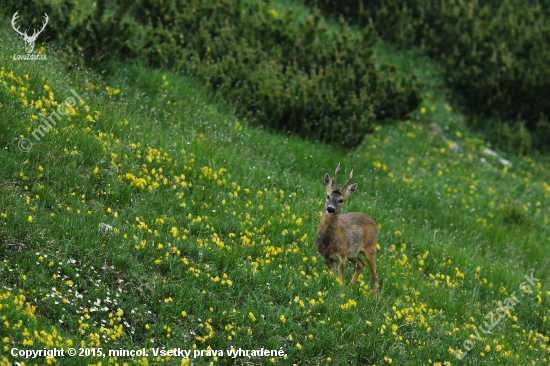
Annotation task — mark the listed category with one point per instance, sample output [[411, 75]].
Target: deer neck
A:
[[329, 220], [327, 230]]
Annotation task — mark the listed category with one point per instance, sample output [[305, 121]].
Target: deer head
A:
[[335, 195], [29, 39]]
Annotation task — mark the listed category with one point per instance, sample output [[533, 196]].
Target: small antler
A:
[[346, 184], [335, 181]]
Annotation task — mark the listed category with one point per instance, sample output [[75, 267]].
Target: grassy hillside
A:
[[151, 217]]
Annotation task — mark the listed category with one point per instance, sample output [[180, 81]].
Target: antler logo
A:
[[29, 47]]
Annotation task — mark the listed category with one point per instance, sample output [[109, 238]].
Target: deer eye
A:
[[328, 197], [340, 200]]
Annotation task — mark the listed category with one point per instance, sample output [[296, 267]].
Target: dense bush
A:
[[494, 53], [289, 75]]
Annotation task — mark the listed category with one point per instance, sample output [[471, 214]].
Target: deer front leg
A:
[[359, 265], [337, 266], [341, 269]]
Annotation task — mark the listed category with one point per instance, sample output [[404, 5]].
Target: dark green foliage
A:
[[510, 137], [292, 76], [494, 53], [512, 214]]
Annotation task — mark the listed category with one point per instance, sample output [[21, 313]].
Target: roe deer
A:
[[345, 236]]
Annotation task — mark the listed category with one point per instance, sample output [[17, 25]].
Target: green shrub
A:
[[292, 76], [494, 53], [510, 137]]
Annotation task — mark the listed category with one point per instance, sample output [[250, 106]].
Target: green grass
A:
[[155, 218]]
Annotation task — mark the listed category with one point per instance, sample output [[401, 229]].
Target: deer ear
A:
[[351, 190], [327, 181]]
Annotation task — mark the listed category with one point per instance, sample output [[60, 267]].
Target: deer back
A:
[[358, 231]]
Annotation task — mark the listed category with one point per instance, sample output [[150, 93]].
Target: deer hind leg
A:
[[371, 260], [359, 265]]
